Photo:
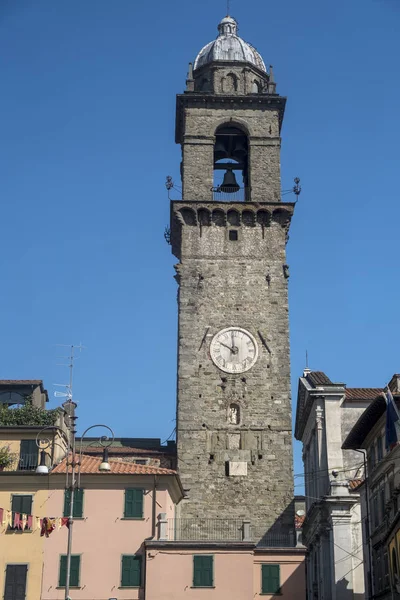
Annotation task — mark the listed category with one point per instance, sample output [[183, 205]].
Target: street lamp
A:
[[75, 464]]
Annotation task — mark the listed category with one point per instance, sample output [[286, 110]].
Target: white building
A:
[[326, 412]]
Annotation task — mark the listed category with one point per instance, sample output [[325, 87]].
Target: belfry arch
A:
[[231, 163]]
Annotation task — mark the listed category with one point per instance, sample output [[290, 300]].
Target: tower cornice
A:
[[257, 102]]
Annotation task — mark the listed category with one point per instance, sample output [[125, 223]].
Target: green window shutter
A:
[[133, 503], [78, 503], [67, 502], [62, 579], [26, 505], [270, 579], [203, 575], [75, 568], [131, 575], [74, 572]]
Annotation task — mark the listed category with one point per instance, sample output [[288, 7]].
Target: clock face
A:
[[234, 350]]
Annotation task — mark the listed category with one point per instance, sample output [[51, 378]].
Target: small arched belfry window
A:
[[256, 88], [234, 414], [229, 83]]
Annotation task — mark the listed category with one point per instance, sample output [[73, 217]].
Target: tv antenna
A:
[[67, 393], [228, 7]]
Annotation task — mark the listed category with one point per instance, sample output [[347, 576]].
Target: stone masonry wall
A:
[[240, 283], [262, 127]]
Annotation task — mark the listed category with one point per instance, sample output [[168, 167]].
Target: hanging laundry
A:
[[48, 527], [17, 521], [30, 521], [1, 516], [9, 522], [65, 521], [24, 519]]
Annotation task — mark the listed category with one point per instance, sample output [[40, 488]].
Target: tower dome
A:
[[228, 46]]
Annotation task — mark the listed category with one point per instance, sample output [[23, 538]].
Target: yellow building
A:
[[22, 416]]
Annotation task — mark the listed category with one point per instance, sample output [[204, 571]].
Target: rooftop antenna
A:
[[228, 7], [67, 394], [306, 359]]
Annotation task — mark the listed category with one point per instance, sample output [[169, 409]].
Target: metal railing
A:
[[231, 194], [28, 462], [223, 530], [273, 539], [227, 530]]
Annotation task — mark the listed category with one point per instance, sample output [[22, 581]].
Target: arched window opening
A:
[[231, 169], [234, 414], [256, 88], [229, 83]]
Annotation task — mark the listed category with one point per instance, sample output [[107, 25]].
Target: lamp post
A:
[[74, 462]]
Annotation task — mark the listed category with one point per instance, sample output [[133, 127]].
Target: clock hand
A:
[[229, 348]]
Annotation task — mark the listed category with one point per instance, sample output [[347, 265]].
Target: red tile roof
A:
[[127, 450], [90, 464], [21, 381], [355, 483], [362, 393], [299, 521], [318, 378]]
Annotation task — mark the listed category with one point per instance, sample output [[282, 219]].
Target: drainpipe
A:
[[154, 508], [367, 533]]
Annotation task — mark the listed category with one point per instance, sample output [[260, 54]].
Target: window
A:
[[22, 505], [379, 448], [131, 574], [203, 571], [386, 581], [270, 579], [78, 503], [233, 235], [133, 504], [28, 457], [75, 570], [371, 458], [15, 586]]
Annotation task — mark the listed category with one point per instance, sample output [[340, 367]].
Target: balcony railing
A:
[[223, 530], [205, 529], [28, 462], [231, 194]]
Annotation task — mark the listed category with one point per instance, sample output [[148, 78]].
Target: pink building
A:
[[114, 513], [127, 543]]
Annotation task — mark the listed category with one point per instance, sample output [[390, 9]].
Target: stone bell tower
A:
[[229, 233]]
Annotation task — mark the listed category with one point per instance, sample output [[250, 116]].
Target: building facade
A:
[[332, 530], [229, 233], [380, 506]]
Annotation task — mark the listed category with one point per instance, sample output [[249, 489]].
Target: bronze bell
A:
[[229, 184]]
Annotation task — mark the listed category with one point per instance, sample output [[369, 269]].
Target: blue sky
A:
[[87, 138]]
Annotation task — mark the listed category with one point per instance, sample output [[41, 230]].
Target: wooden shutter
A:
[[131, 575], [78, 503], [75, 568], [21, 504], [133, 503], [202, 571], [62, 579], [270, 579], [15, 586], [29, 454], [74, 573], [67, 502]]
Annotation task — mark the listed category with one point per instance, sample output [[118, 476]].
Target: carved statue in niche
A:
[[234, 414]]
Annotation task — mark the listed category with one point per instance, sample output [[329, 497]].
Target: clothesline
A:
[[17, 520]]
